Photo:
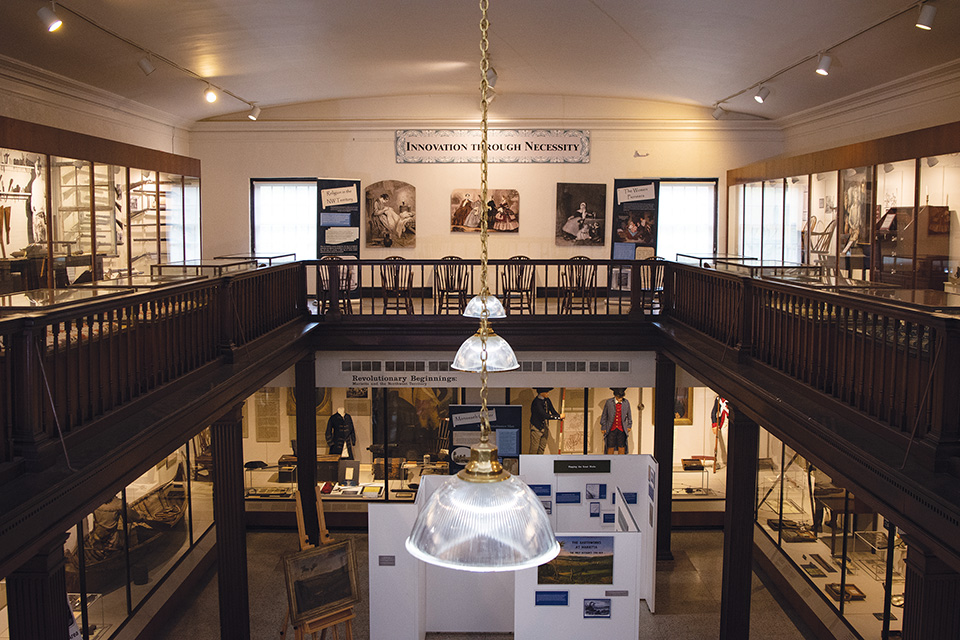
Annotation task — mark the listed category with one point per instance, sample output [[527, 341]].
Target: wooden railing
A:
[[554, 287], [896, 365], [62, 369]]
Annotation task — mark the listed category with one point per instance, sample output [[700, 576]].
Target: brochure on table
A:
[[603, 510]]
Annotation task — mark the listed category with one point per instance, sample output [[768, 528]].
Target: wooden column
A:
[[228, 512], [37, 596], [306, 393], [743, 437], [664, 393], [931, 602]]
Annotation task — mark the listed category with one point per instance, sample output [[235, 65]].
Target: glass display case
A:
[[796, 239], [172, 239], [752, 230], [851, 555], [856, 189], [213, 267], [938, 227], [72, 191], [127, 545], [144, 198], [191, 218], [823, 217], [110, 203], [773, 220]]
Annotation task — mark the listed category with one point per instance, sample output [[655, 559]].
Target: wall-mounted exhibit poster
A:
[[391, 214], [682, 406], [582, 560], [505, 422], [581, 214], [596, 607], [857, 188], [267, 404], [635, 211], [502, 210], [339, 225], [320, 581]]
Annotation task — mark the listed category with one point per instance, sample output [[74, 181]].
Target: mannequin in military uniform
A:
[[340, 432]]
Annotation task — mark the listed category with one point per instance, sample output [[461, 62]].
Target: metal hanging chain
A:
[[484, 290]]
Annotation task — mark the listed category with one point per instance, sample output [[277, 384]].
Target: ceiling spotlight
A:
[[925, 19], [491, 96], [718, 112], [254, 113], [48, 16], [146, 66], [823, 64], [209, 94], [761, 95], [887, 168], [492, 77], [933, 161]]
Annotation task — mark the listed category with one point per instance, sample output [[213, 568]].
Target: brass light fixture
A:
[[483, 519]]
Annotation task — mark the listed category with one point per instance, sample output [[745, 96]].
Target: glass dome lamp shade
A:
[[483, 519], [474, 308], [500, 355]]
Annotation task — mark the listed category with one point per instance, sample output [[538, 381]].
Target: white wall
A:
[[326, 143]]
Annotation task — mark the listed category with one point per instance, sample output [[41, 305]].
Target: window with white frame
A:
[[687, 218], [284, 218]]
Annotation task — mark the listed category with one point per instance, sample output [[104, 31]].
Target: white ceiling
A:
[[273, 52]]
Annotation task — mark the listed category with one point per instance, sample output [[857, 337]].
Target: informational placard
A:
[[339, 224], [635, 218], [503, 145], [505, 421]]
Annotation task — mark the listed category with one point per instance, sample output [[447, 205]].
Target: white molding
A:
[[901, 105], [58, 93]]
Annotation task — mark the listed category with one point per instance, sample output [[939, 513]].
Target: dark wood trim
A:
[[666, 376], [38, 138], [921, 143]]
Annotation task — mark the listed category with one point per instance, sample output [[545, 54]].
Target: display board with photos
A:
[[635, 218]]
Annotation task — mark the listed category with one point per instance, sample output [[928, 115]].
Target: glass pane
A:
[[156, 524], [938, 231], [191, 218], [24, 211], [823, 236], [795, 220], [752, 219], [144, 231], [857, 191], [735, 219], [686, 220], [110, 184], [893, 228], [171, 218], [201, 484], [773, 220], [103, 565], [285, 218], [72, 206]]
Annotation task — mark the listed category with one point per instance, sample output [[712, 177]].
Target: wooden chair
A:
[[651, 284], [820, 242], [344, 280], [451, 285], [518, 284], [578, 286], [396, 283]]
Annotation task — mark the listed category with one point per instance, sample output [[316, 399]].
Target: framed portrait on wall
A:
[[321, 580], [581, 214], [391, 214], [682, 405], [502, 210]]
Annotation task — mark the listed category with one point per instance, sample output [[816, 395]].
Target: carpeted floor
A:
[[688, 596]]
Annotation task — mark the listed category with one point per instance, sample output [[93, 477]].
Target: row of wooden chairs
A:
[[452, 285]]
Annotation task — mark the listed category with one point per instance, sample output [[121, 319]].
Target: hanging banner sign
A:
[[503, 145]]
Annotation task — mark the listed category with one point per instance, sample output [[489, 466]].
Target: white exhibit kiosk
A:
[[603, 509]]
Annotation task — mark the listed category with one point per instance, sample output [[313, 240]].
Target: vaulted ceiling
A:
[[272, 52]]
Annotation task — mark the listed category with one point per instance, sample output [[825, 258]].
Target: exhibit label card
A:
[[552, 598], [581, 466], [540, 489], [568, 497]]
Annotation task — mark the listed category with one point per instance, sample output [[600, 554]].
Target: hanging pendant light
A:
[[483, 519]]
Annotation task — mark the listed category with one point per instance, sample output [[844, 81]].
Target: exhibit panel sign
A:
[[503, 145]]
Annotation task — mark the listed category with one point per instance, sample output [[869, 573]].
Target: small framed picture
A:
[[596, 607], [594, 509]]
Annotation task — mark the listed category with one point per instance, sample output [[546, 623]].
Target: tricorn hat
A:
[[618, 391], [544, 389]]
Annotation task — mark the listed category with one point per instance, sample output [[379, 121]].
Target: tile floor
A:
[[688, 596]]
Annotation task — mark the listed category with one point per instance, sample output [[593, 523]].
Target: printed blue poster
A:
[[552, 598], [631, 498], [568, 497], [542, 490]]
